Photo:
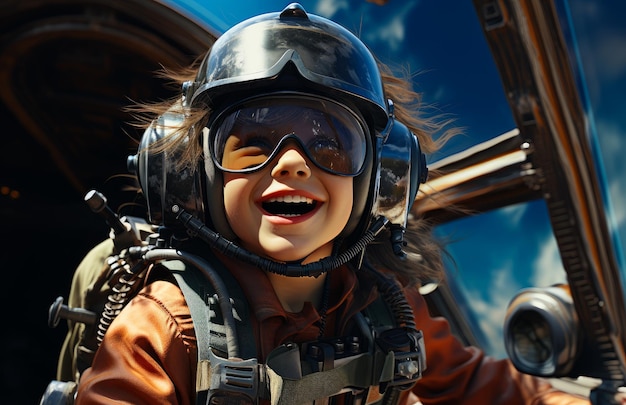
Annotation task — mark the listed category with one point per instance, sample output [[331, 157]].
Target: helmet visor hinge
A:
[[392, 115], [188, 89]]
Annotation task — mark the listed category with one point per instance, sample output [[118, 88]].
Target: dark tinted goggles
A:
[[247, 137]]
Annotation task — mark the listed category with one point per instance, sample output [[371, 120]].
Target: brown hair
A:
[[424, 253]]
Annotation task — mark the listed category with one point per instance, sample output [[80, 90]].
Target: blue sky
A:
[[600, 43]]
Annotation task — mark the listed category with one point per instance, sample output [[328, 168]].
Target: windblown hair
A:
[[423, 262]]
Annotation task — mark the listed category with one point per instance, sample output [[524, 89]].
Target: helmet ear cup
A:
[[162, 182], [419, 169], [402, 170], [392, 189]]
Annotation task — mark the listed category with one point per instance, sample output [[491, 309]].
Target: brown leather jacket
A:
[[149, 353]]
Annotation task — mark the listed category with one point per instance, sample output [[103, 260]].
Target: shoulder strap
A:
[[205, 311], [207, 320]]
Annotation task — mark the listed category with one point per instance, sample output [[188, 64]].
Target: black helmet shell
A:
[[334, 62]]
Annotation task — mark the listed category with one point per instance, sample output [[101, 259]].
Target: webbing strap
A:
[[286, 384], [195, 297], [357, 372], [206, 315]]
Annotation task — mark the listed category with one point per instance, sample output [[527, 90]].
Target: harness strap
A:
[[289, 379], [286, 378], [357, 373], [207, 320], [195, 301]]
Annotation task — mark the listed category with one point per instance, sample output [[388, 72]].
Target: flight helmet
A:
[[296, 56]]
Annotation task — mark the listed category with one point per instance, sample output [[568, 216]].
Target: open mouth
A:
[[289, 205]]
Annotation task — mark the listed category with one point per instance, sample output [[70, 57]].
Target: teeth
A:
[[291, 199]]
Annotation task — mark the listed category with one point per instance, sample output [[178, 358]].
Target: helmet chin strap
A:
[[196, 227]]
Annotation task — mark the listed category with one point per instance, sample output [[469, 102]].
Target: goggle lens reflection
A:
[[246, 138]]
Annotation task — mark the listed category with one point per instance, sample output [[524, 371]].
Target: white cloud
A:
[[328, 8], [612, 50], [613, 144], [513, 215], [617, 193], [491, 309], [440, 93], [548, 267], [392, 32], [490, 300]]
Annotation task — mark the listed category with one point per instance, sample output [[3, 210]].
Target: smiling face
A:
[[290, 210]]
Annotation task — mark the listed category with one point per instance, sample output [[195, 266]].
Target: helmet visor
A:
[[247, 137]]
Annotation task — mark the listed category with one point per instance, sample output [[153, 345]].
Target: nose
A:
[[291, 162]]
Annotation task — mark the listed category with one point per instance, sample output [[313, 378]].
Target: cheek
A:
[[342, 197], [234, 193]]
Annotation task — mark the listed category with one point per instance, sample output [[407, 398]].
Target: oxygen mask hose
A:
[[196, 227]]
